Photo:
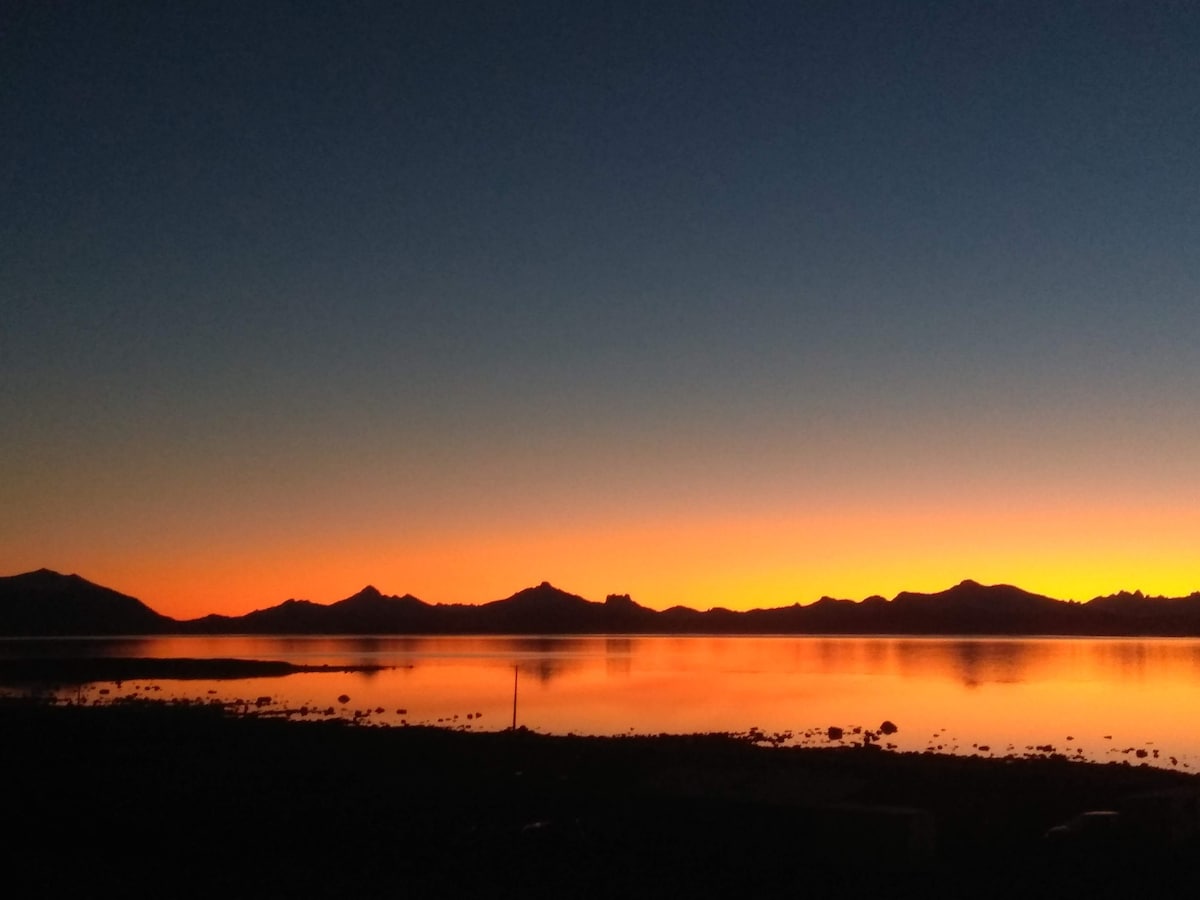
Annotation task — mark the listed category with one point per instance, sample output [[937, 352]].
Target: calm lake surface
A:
[[1101, 699]]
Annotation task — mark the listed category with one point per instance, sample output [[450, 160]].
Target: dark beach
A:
[[147, 797]]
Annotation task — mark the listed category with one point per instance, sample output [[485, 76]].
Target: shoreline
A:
[[58, 670], [328, 806], [120, 679]]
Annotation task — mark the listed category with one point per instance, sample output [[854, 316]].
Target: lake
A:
[[1097, 699]]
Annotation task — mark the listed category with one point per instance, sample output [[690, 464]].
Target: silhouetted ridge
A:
[[367, 612], [47, 603], [970, 607], [1136, 614], [546, 609], [543, 597], [623, 603]]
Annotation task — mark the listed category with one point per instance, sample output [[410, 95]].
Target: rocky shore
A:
[[190, 800]]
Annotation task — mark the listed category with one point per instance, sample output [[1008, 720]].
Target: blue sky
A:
[[455, 271]]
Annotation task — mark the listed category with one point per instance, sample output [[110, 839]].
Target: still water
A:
[[1099, 699]]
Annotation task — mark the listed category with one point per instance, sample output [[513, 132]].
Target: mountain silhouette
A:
[[547, 609], [367, 612], [970, 607], [47, 603]]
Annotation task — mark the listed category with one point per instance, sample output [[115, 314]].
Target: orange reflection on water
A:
[[1102, 699]]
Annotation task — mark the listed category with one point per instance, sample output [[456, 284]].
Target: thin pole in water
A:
[[514, 725]]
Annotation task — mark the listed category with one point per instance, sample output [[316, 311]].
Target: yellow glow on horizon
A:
[[737, 562]]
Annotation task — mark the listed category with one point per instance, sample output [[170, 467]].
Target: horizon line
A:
[[547, 584]]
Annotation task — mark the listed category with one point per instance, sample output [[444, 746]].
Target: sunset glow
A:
[[735, 308], [738, 563]]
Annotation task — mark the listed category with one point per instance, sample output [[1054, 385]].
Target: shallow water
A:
[[1098, 699]]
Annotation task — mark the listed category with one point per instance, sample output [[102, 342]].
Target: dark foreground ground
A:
[[152, 800]]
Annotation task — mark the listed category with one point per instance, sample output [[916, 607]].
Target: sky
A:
[[708, 303]]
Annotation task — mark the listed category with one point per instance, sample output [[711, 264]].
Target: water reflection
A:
[[972, 662], [11, 648], [944, 692], [618, 655]]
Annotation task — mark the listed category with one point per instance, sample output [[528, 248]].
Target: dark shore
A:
[[152, 798], [56, 670]]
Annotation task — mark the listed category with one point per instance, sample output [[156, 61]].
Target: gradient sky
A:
[[711, 303]]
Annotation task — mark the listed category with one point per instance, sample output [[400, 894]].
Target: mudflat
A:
[[189, 800]]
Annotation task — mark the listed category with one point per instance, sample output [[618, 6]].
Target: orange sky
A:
[[741, 561], [735, 519], [704, 308]]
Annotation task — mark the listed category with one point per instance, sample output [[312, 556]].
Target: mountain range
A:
[[46, 603]]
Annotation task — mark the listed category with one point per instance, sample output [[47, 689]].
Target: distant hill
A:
[[367, 612], [539, 610], [47, 603]]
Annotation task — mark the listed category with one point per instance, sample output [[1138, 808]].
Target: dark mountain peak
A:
[[49, 578], [1124, 596], [47, 602], [1137, 605], [368, 595], [50, 584], [827, 601], [545, 594], [371, 599], [621, 602], [293, 603], [969, 590], [973, 608], [540, 609]]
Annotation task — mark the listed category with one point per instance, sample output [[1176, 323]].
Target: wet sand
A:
[[193, 800]]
